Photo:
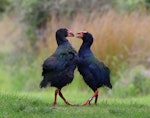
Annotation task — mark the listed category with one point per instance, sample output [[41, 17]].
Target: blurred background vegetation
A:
[[120, 29]]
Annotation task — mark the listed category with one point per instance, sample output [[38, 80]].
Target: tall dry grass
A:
[[119, 39]]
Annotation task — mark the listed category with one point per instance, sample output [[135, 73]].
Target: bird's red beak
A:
[[80, 34], [70, 33]]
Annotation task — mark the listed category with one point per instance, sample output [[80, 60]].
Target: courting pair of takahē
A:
[[58, 69]]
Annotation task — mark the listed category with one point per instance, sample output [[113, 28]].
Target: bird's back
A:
[[58, 69]]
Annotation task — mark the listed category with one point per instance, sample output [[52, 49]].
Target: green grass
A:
[[37, 105]]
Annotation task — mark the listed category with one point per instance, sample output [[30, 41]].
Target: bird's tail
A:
[[109, 86], [43, 83], [107, 76]]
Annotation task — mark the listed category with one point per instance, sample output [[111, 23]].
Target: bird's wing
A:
[[94, 69], [99, 71], [57, 62]]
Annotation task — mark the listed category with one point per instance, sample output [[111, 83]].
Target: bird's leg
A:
[[96, 97], [61, 95], [55, 98], [91, 98]]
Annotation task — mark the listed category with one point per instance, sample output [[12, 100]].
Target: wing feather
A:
[[57, 63]]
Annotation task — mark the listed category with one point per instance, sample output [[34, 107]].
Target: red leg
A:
[[61, 95], [55, 98], [91, 98], [96, 97]]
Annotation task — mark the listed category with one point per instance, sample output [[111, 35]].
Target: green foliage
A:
[[19, 71], [3, 5], [36, 13], [132, 82], [129, 5], [147, 4]]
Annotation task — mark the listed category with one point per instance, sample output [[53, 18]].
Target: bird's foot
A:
[[86, 103], [52, 105], [69, 104], [76, 105]]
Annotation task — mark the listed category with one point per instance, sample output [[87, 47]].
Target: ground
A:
[[37, 105]]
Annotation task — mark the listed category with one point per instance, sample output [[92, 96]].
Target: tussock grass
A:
[[118, 38]]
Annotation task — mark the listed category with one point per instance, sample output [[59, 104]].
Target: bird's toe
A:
[[86, 103]]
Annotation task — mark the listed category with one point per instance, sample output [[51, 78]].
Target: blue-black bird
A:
[[95, 73], [58, 69]]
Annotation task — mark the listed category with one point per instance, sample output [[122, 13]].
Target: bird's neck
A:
[[61, 40], [85, 50]]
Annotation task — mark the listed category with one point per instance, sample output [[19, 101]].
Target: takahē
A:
[[94, 72], [58, 69]]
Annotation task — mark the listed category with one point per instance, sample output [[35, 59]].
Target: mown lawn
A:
[[37, 105]]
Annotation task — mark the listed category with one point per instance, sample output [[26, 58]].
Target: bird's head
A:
[[69, 33], [81, 34], [85, 36], [65, 32]]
